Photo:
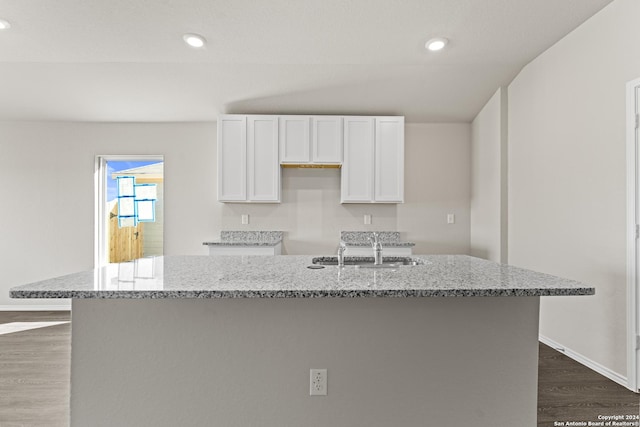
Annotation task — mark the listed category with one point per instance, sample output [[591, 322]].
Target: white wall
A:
[[437, 182], [47, 177], [488, 216], [567, 201], [47, 189]]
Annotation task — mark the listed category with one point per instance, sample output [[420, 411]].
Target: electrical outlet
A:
[[451, 218], [367, 219], [245, 219], [318, 382]]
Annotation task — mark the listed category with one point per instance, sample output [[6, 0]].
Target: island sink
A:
[[368, 262]]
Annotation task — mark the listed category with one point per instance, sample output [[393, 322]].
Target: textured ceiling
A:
[[124, 60]]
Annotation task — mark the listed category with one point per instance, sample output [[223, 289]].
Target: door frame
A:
[[101, 222], [633, 221]]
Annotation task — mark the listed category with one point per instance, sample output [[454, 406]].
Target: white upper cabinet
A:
[[294, 139], [389, 163], [373, 167], [252, 147], [248, 169], [326, 132], [232, 158], [357, 168], [310, 139], [262, 155]]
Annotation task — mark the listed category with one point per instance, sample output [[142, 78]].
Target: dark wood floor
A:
[[34, 372], [568, 391], [34, 380]]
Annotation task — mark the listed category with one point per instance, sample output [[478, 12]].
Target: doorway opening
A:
[[129, 208]]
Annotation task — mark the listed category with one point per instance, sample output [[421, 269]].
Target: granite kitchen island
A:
[[229, 341]]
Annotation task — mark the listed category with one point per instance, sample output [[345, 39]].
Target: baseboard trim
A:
[[27, 307], [595, 366]]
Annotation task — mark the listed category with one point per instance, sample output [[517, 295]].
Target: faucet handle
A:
[[375, 242], [342, 247], [374, 238]]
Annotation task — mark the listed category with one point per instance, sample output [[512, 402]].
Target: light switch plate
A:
[[245, 219], [367, 219]]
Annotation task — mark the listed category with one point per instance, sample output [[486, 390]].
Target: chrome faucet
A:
[[377, 249], [341, 250]]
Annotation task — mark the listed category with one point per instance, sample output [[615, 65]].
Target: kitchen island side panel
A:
[[399, 362]]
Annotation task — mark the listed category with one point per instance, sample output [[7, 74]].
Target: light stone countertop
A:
[[287, 276], [384, 244], [247, 238], [388, 239]]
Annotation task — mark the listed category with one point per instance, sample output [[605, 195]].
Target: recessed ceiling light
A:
[[436, 44], [4, 25], [194, 40]]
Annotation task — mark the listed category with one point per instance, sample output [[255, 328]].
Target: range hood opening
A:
[[310, 166]]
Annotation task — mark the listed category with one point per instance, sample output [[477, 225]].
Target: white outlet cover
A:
[[318, 382]]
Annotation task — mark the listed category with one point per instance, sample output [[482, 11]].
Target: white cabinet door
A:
[[310, 139], [294, 139], [232, 158], [357, 168], [373, 164], [262, 154], [326, 139], [248, 167], [389, 160]]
